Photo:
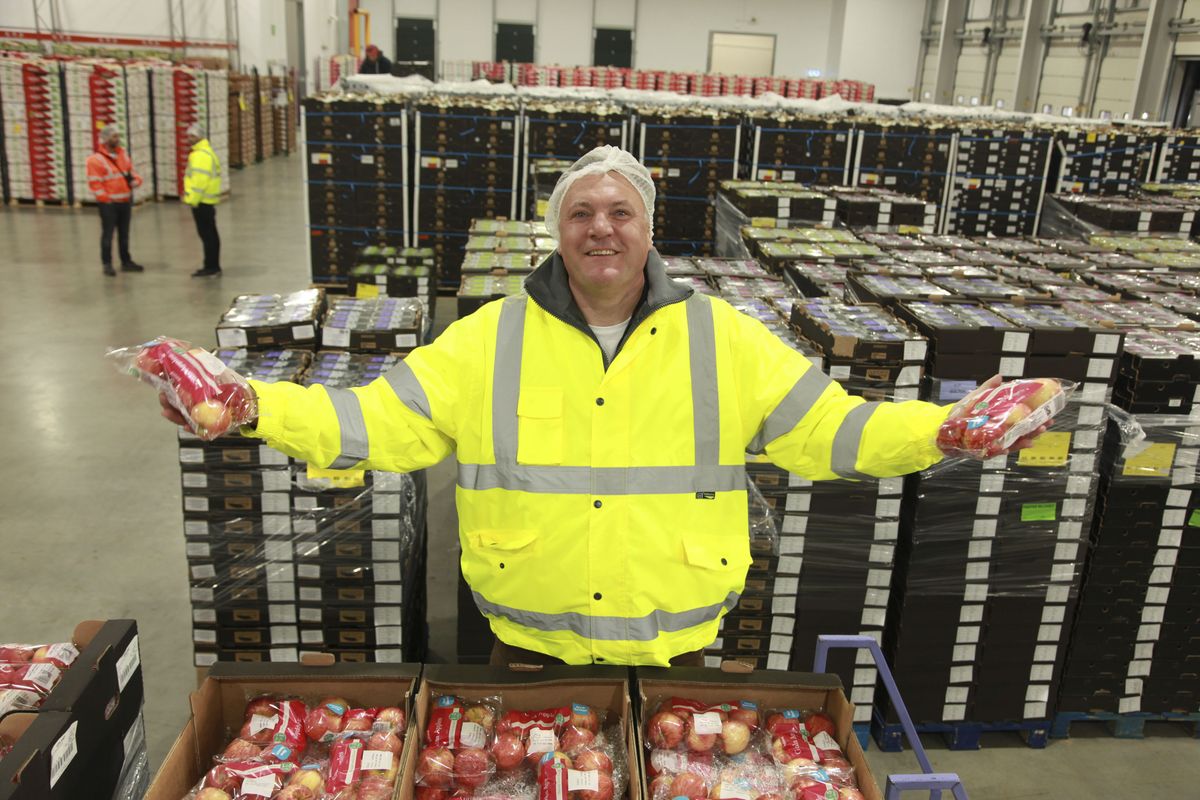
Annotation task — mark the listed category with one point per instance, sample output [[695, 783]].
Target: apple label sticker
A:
[[128, 663], [472, 735], [583, 780], [708, 723], [62, 753], [377, 759]]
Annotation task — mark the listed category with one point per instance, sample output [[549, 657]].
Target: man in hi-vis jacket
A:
[[601, 422]]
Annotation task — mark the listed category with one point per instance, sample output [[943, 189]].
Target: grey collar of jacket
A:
[[550, 288]]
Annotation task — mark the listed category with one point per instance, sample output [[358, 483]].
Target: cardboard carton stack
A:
[[467, 152], [358, 180]]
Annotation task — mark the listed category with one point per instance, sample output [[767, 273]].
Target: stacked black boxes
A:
[[999, 179], [563, 130], [383, 270], [374, 324], [783, 146], [838, 538], [467, 167], [991, 555], [907, 157], [689, 150], [1132, 649], [237, 529], [765, 204], [359, 543], [358, 183], [1101, 161], [1178, 159], [880, 210], [1133, 215]]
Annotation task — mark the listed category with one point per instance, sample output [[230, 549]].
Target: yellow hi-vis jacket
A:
[[202, 178], [602, 506]]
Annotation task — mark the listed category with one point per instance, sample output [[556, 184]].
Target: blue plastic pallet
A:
[[862, 732], [1123, 726], [960, 735]]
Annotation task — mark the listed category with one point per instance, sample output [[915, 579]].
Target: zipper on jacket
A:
[[592, 335]]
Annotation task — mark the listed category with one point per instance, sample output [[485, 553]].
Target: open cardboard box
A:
[[800, 690], [602, 688], [218, 707]]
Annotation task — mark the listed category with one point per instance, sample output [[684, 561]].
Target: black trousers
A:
[[205, 216], [115, 215]]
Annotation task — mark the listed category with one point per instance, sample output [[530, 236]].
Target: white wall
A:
[[881, 44], [564, 33], [668, 39], [262, 34], [464, 31], [323, 22]]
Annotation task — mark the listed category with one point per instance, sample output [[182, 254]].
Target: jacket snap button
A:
[[597, 504], [596, 596], [599, 401], [724, 562], [653, 331]]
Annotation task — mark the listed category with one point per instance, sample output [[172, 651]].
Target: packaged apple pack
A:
[[713, 752], [29, 672], [289, 749], [994, 417], [563, 753], [211, 397]]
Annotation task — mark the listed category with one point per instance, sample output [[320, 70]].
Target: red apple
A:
[[262, 738], [665, 730], [322, 722], [593, 760], [212, 794], [603, 790], [386, 741], [575, 739], [1048, 388], [700, 742], [817, 723], [508, 751], [834, 763], [358, 720], [689, 785], [430, 793], [375, 789], [211, 416], [849, 793], [472, 767], [263, 706], [435, 768], [799, 766], [392, 716], [660, 787], [747, 716], [307, 777], [584, 718], [241, 750], [223, 778], [297, 793], [735, 737]]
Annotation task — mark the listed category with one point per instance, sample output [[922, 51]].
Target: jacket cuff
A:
[[270, 415], [930, 452]]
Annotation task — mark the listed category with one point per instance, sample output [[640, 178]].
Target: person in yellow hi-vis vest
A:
[[601, 422], [202, 191]]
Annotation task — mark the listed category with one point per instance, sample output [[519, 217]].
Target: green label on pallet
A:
[[1194, 519], [1038, 512]]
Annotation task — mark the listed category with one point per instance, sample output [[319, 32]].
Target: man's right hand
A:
[[170, 412]]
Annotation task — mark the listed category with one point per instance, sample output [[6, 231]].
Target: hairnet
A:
[[195, 130], [600, 161], [108, 131]]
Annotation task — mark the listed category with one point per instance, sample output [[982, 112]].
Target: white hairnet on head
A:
[[195, 130], [600, 161]]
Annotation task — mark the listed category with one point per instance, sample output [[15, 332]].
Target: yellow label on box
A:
[[762, 222], [1051, 449], [1153, 462], [1091, 137], [241, 101], [366, 290], [340, 478]]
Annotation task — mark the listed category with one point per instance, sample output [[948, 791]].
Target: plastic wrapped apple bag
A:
[[211, 397], [992, 419]]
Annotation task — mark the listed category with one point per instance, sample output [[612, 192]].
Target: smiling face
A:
[[603, 235]]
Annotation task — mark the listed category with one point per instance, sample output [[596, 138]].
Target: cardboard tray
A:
[[529, 688], [219, 703], [770, 690]]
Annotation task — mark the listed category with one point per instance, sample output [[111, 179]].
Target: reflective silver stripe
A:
[[506, 379], [611, 629], [353, 428], [406, 386], [118, 195], [799, 400], [848, 438], [612, 481], [196, 171], [702, 353]]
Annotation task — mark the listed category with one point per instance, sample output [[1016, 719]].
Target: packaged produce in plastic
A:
[[210, 396], [61, 655], [994, 418]]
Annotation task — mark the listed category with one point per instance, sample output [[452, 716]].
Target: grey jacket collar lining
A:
[[550, 288]]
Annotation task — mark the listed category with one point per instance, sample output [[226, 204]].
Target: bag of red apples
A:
[[28, 673], [473, 749], [211, 397], [718, 752], [994, 417], [287, 749]]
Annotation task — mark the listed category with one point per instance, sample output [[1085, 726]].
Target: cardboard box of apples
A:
[[710, 735], [272, 731]]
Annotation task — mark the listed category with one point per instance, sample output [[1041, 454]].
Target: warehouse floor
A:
[[92, 522]]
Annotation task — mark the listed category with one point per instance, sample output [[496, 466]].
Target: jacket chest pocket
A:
[[540, 425]]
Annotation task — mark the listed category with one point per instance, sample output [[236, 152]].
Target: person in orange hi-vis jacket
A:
[[112, 180]]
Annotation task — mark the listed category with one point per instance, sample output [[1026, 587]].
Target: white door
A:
[[741, 53]]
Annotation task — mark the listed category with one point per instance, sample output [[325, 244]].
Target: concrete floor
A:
[[91, 524]]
